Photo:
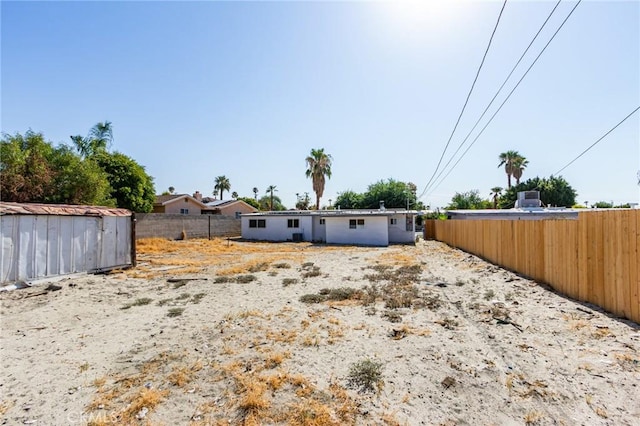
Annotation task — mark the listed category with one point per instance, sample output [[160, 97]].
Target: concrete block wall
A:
[[160, 225]]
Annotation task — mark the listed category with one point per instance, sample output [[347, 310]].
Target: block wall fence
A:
[[160, 225]]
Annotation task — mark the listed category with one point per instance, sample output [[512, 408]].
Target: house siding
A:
[[319, 230], [404, 230], [276, 228], [375, 231], [182, 203]]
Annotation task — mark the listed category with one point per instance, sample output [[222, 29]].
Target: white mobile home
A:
[[358, 227]]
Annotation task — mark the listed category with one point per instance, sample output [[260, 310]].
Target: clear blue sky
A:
[[246, 89]]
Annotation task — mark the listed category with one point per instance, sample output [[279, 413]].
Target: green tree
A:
[[171, 190], [131, 186], [519, 164], [318, 167], [469, 200], [251, 201], [34, 171], [395, 194], [234, 195], [496, 191], [222, 184], [270, 190], [507, 160], [25, 169], [554, 191], [271, 203], [348, 200], [99, 140], [303, 201], [78, 181]]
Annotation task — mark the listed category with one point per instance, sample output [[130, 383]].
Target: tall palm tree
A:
[[234, 195], [99, 139], [519, 164], [171, 190], [507, 159], [222, 184], [255, 192], [496, 191], [271, 189], [318, 166]]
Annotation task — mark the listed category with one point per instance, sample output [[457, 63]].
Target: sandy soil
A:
[[216, 333]]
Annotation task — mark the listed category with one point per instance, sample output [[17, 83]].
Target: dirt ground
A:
[[231, 332]]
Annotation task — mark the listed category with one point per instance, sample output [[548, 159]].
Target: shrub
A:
[[365, 376], [312, 298]]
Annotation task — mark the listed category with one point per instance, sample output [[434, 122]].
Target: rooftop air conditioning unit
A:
[[528, 199]]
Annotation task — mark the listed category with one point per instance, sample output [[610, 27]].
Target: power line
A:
[[498, 92], [467, 100], [596, 142], [508, 96]]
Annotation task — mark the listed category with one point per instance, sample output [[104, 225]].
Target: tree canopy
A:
[[318, 167], [131, 186], [35, 171], [469, 200], [555, 191], [395, 194]]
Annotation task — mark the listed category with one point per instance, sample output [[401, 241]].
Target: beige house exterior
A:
[[178, 204]]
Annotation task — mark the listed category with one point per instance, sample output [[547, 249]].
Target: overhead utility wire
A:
[[467, 100], [498, 92], [596, 142], [507, 98]]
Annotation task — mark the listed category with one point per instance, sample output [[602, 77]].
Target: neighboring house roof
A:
[[163, 200], [60, 210], [220, 203]]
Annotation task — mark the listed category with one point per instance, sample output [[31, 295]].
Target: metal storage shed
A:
[[45, 240]]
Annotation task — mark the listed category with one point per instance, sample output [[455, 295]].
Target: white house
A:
[[358, 227]]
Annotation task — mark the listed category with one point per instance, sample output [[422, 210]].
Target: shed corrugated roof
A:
[[59, 209]]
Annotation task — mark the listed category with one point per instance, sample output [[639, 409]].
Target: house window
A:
[[184, 211], [293, 223], [322, 221], [257, 223], [393, 221], [238, 215], [356, 223]]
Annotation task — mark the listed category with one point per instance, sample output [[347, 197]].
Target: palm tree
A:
[[234, 195], [222, 184], [519, 164], [171, 190], [99, 139], [271, 189], [496, 191], [255, 192], [215, 193], [318, 166], [507, 159]]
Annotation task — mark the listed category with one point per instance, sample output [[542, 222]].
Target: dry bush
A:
[[365, 376], [289, 281]]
